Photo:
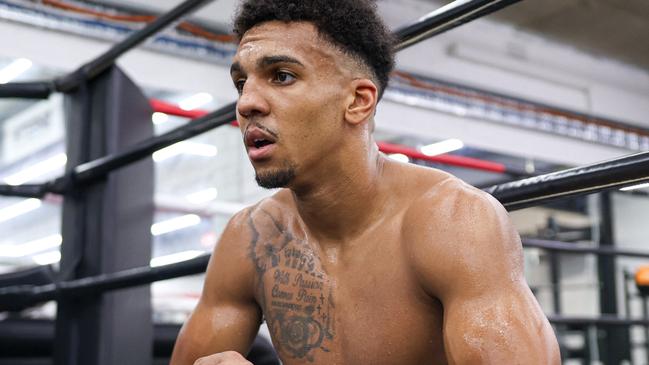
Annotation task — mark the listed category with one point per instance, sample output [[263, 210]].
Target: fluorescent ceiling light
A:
[[185, 147], [195, 101], [175, 257], [399, 157], [31, 247], [38, 169], [47, 258], [202, 196], [159, 118], [175, 224], [18, 209], [14, 69], [635, 187], [442, 147]]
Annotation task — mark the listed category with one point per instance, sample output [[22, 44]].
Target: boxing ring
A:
[[82, 176]]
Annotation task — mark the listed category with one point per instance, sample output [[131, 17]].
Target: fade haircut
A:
[[353, 26]]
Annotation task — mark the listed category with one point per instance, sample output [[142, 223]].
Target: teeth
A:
[[261, 142]]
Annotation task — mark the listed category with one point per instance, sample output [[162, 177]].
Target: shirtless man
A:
[[359, 259]]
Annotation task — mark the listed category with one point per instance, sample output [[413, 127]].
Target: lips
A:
[[259, 143]]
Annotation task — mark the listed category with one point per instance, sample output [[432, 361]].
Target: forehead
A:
[[297, 39]]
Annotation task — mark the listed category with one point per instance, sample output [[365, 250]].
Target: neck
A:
[[344, 197]]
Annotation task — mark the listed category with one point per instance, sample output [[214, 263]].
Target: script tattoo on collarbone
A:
[[295, 292]]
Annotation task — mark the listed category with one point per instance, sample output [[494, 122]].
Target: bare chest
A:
[[368, 310]]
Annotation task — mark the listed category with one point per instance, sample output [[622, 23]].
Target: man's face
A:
[[293, 88]]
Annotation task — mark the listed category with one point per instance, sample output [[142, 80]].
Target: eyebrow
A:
[[267, 61], [271, 60]]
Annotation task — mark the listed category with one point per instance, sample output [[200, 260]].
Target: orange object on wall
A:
[[642, 276], [642, 279]]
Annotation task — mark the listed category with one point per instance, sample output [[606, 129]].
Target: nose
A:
[[252, 102]]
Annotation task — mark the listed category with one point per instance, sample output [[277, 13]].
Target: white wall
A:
[[66, 52], [498, 57]]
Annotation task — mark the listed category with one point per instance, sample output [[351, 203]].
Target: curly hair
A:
[[353, 26]]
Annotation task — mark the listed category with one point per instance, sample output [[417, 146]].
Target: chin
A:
[[273, 178]]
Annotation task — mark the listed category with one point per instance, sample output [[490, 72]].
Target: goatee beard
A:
[[279, 178]]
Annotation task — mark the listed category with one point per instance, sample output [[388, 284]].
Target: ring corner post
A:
[[615, 339], [106, 227]]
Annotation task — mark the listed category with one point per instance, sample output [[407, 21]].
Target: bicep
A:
[[472, 263], [491, 315], [503, 325], [227, 316]]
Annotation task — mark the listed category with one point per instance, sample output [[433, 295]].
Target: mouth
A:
[[259, 143]]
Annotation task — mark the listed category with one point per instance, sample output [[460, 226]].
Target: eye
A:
[[284, 78], [239, 85]]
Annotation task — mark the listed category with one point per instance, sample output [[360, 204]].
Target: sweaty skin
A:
[[360, 259]]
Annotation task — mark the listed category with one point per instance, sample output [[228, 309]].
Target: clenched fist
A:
[[223, 358]]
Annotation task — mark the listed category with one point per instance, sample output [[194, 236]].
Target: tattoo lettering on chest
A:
[[294, 289]]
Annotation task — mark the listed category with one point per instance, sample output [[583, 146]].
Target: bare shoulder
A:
[[454, 231], [452, 200], [464, 252], [247, 224], [255, 230], [235, 251], [277, 205]]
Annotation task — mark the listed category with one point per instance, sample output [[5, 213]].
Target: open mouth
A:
[[257, 138], [259, 143]]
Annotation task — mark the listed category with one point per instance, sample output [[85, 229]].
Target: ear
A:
[[362, 102]]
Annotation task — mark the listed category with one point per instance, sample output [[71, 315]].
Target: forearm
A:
[[207, 332]]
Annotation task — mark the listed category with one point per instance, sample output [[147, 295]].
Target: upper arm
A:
[[471, 260], [227, 316]]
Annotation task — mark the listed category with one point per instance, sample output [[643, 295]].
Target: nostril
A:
[[242, 112], [252, 103]]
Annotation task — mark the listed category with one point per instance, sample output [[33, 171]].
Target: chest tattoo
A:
[[294, 289]]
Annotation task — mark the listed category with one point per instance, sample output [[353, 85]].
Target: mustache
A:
[[263, 128]]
